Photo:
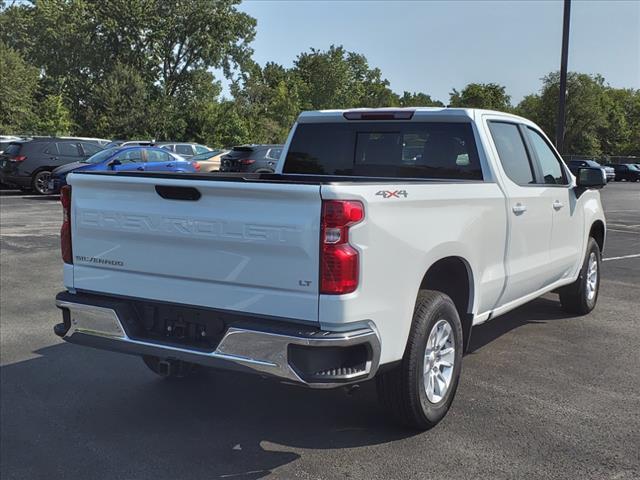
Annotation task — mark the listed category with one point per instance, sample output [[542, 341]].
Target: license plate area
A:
[[176, 325]]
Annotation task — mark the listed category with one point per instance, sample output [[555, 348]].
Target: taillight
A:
[[196, 165], [247, 161], [339, 261], [65, 230], [18, 158]]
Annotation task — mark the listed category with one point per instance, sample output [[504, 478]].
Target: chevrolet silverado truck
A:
[[382, 238]]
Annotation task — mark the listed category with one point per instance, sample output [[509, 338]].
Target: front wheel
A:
[[40, 182], [420, 390], [581, 296]]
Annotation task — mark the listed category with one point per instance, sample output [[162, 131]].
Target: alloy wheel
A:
[[439, 359]]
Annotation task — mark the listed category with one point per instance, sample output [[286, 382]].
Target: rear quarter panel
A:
[[401, 238]]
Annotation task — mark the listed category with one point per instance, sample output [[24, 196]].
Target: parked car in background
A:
[[209, 161], [184, 149], [122, 159], [626, 171], [252, 159], [27, 164], [575, 165]]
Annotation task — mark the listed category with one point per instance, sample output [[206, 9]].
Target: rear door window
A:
[[512, 152], [67, 149], [184, 150], [157, 156], [130, 156], [52, 149], [385, 149], [90, 148]]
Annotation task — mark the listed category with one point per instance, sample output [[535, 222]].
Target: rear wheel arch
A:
[[41, 168], [453, 276]]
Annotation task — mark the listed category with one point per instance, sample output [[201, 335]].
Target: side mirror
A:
[[591, 177], [114, 163]]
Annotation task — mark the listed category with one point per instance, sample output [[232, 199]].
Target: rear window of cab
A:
[[385, 149]]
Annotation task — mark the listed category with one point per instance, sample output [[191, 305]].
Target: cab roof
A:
[[403, 114]]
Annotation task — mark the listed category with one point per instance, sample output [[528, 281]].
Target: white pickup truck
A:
[[382, 238]]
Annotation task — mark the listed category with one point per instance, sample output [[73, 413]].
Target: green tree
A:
[[530, 107], [481, 95], [119, 107], [76, 44], [228, 127], [53, 118], [586, 111], [337, 78], [269, 98], [622, 133], [417, 99], [18, 84]]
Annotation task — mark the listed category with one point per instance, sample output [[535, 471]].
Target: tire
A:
[[40, 182], [582, 295], [403, 390], [177, 369]]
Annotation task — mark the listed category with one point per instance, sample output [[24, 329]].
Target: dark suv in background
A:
[[27, 164], [251, 158], [626, 171]]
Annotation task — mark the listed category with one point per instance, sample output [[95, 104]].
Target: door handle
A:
[[169, 165], [557, 205], [519, 208], [140, 168]]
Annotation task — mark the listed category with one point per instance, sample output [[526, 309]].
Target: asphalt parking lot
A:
[[542, 394]]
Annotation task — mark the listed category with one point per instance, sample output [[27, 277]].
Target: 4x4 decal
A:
[[392, 193]]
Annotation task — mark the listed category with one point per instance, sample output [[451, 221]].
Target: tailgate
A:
[[242, 246]]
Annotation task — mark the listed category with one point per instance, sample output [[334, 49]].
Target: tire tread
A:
[[396, 391]]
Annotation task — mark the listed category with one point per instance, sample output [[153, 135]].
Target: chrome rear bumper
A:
[[240, 348]]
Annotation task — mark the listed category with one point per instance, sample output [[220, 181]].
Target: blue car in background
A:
[[124, 159]]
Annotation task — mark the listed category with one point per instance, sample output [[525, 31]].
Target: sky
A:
[[434, 46]]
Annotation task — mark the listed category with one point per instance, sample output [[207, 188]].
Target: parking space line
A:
[[622, 257], [623, 225], [622, 231]]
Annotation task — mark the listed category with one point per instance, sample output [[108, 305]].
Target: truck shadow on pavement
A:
[[74, 412], [541, 310]]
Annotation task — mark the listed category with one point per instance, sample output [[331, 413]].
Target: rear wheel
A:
[[421, 389], [169, 368], [581, 296], [40, 182]]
